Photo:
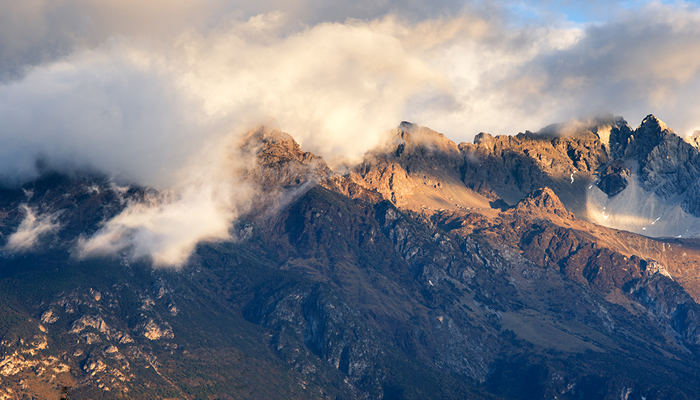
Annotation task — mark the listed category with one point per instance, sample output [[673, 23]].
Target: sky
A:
[[141, 90], [132, 87]]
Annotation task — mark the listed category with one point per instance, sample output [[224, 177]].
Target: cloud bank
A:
[[139, 90]]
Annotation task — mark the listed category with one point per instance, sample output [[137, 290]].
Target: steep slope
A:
[[232, 324], [112, 328], [416, 169], [657, 175], [484, 292], [642, 180]]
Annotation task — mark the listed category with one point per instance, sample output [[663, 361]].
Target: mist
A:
[[209, 194], [140, 92], [30, 230]]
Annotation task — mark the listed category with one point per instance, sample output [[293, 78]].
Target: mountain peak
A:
[[542, 200], [273, 146], [407, 125], [484, 138], [651, 122], [636, 144], [280, 160], [412, 136]]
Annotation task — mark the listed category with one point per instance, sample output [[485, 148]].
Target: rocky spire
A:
[[637, 144], [280, 160], [652, 123]]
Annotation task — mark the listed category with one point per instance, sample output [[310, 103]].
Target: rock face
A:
[[651, 182], [418, 168], [431, 270], [667, 165], [691, 202], [644, 180], [541, 201], [560, 157], [280, 162], [614, 178]]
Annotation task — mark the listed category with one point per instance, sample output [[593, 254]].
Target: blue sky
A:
[[579, 12]]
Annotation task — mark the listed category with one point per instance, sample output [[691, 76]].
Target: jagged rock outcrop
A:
[[561, 157], [613, 178], [642, 180], [417, 168], [639, 143], [541, 201], [667, 165], [420, 169], [280, 162]]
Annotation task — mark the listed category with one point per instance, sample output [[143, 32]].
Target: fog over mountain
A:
[[142, 91], [132, 89]]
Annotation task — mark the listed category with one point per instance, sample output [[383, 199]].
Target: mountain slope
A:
[[409, 276]]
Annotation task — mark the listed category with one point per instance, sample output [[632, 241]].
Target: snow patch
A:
[[639, 211]]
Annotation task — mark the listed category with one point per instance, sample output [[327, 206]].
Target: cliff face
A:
[[279, 162], [564, 159], [420, 168], [431, 270], [417, 169], [651, 182], [667, 165]]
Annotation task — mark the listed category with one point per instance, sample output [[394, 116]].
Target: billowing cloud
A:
[[31, 228], [641, 62], [647, 61], [140, 89], [166, 226], [109, 110], [34, 32], [139, 109]]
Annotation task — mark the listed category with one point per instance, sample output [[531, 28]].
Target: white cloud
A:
[[647, 61], [138, 109], [165, 227], [35, 32], [109, 110], [30, 230]]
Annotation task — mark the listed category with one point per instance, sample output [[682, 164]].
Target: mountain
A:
[[643, 180], [430, 270]]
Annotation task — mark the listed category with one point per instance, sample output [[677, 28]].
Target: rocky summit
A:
[[558, 264]]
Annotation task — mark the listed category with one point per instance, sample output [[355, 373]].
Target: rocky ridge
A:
[[644, 180]]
